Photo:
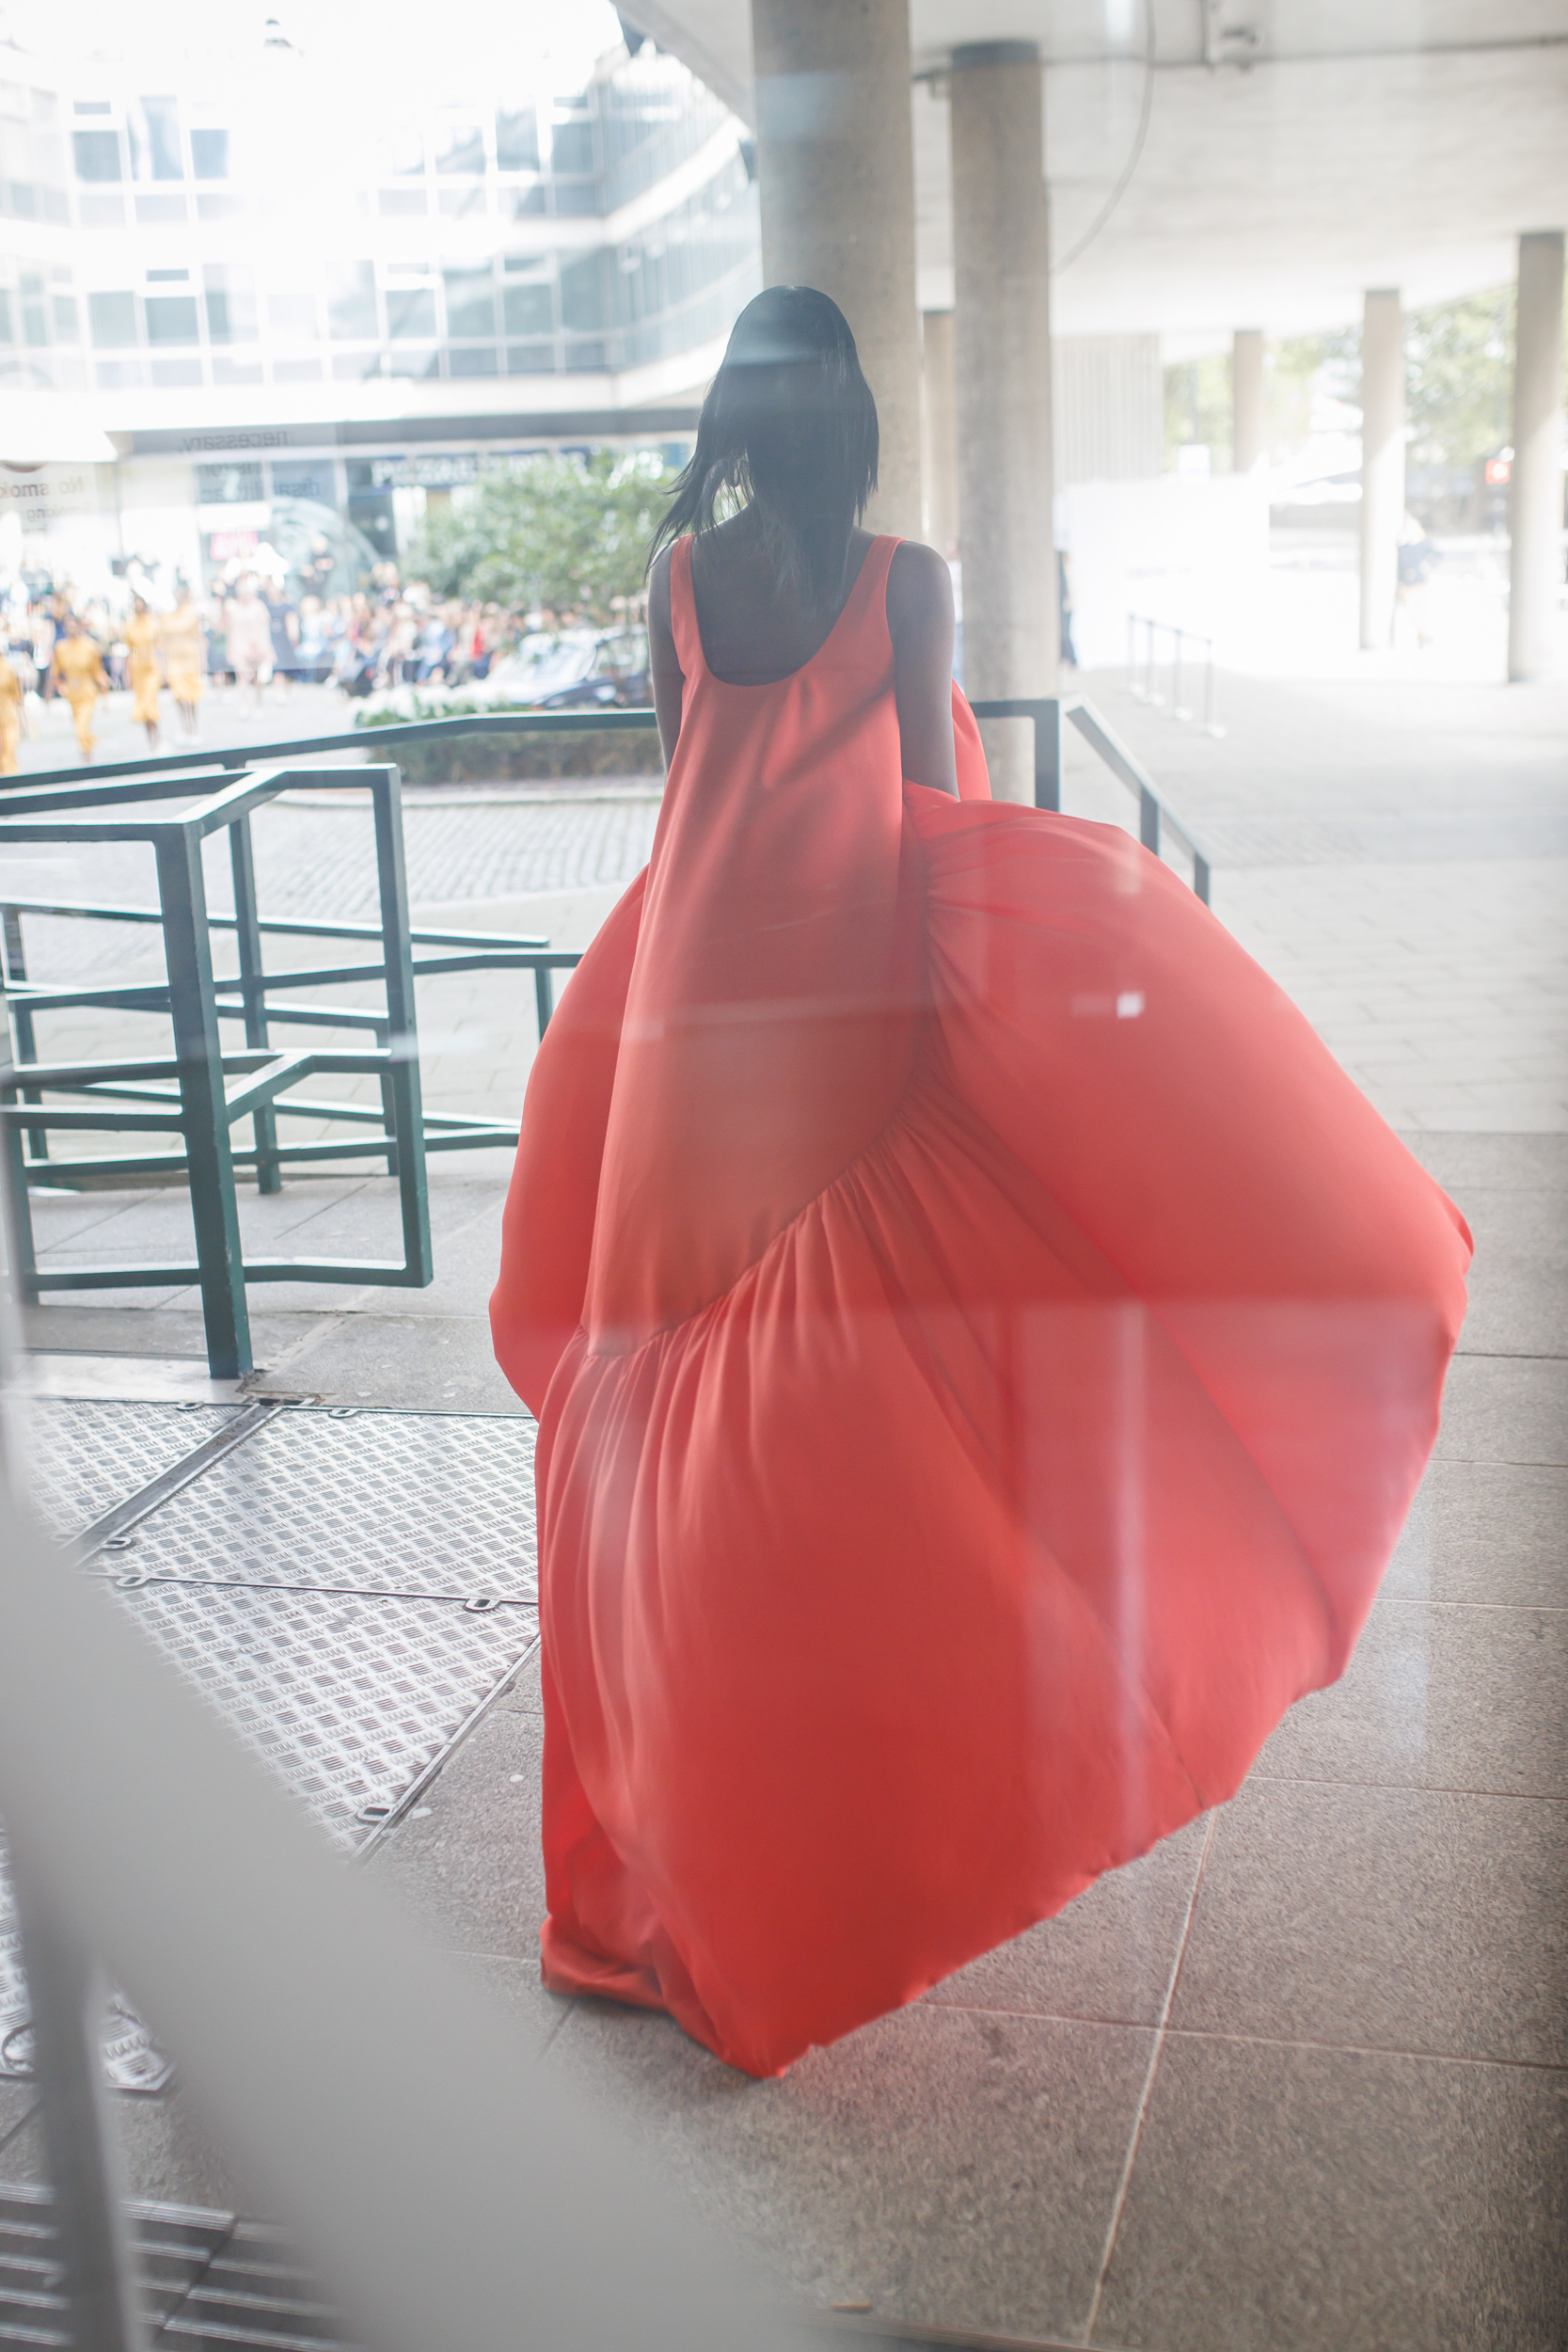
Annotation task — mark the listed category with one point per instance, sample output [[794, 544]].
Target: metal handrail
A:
[[1147, 689]]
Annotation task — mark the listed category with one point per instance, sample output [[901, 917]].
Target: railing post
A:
[[402, 1044], [1148, 820], [21, 1254], [544, 996], [193, 1009], [242, 859], [26, 1042], [67, 1997], [1047, 716]]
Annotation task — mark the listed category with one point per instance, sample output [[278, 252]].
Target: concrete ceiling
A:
[[1285, 155]]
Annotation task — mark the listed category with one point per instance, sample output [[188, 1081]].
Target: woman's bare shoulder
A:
[[919, 586]]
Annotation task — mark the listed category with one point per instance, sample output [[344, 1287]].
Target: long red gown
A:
[[984, 1350]]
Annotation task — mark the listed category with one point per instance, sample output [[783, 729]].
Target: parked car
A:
[[572, 669]]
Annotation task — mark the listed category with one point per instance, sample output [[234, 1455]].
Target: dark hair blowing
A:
[[789, 428]]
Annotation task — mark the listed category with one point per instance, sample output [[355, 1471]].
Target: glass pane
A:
[[461, 148], [154, 127], [171, 319], [113, 318], [582, 303], [236, 484], [96, 154], [350, 305], [529, 309], [470, 302], [517, 140], [210, 154], [411, 313]]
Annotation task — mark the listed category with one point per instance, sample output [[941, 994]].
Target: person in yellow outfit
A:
[[184, 656], [143, 668], [79, 674], [10, 716]]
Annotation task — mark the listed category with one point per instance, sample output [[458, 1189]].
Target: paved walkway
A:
[[1298, 2082]]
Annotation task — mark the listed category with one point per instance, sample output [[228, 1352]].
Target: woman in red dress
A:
[[984, 1346]]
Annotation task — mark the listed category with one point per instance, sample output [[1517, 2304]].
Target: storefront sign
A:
[[42, 496]]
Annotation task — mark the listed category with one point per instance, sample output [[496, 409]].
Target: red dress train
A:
[[984, 1350]]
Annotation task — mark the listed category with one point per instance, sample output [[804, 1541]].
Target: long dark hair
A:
[[788, 428]]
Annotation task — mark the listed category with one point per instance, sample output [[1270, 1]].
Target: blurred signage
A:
[[223, 546], [439, 471], [42, 496]]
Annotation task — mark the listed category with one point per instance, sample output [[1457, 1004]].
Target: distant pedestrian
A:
[[283, 621], [183, 646], [12, 704], [78, 672], [143, 670]]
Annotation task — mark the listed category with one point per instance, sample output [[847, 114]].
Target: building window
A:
[[154, 124], [461, 148], [112, 318], [582, 303], [171, 319], [350, 305], [231, 304], [210, 154], [68, 325], [293, 316], [8, 333], [478, 359], [96, 154], [410, 314], [529, 308], [470, 302], [517, 140], [571, 139]]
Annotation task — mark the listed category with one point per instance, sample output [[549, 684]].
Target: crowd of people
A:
[[249, 635]]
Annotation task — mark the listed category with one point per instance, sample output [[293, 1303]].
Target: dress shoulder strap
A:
[[683, 610]]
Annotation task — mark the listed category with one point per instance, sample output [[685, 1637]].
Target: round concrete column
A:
[[1001, 280], [1249, 426], [1382, 465], [940, 428], [1535, 486], [836, 168]]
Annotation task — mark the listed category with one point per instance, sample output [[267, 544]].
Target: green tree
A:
[[565, 537], [1459, 378]]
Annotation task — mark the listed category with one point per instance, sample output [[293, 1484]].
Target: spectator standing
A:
[[249, 638], [283, 622]]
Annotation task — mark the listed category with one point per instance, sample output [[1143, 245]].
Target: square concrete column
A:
[[940, 428], [1382, 465], [1001, 280], [1536, 483], [836, 171], [1249, 422]]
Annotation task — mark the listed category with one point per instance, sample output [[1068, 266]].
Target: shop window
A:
[[171, 319], [238, 484], [96, 153], [517, 140], [112, 318], [410, 314], [210, 154], [470, 302]]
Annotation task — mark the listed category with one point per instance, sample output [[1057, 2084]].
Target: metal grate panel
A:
[[347, 1698], [206, 2279], [434, 1505], [83, 1456], [344, 1588]]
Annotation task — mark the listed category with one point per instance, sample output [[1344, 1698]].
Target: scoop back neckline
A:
[[762, 685]]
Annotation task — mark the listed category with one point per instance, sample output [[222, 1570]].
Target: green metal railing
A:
[[200, 1091], [195, 1094]]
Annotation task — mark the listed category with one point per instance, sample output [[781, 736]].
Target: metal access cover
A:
[[439, 1505], [345, 1588], [84, 1456]]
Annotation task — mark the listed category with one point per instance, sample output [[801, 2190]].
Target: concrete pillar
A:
[[1535, 485], [1249, 422], [1382, 465], [835, 170], [1000, 262], [940, 428]]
